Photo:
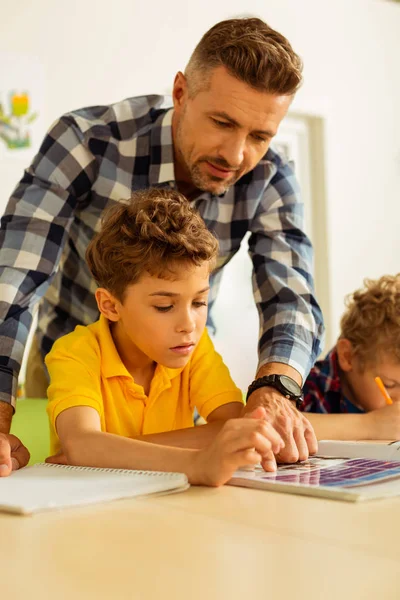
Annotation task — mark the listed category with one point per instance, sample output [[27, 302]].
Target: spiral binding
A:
[[127, 472]]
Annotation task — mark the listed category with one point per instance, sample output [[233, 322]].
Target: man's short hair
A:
[[155, 232], [372, 320], [252, 52]]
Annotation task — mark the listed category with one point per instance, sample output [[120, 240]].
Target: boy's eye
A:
[[198, 304], [389, 386], [163, 308]]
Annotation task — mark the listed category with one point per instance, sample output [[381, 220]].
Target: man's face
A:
[[222, 132]]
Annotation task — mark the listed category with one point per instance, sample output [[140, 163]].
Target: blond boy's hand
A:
[[383, 423], [240, 443]]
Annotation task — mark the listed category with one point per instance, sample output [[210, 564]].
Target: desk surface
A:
[[225, 543]]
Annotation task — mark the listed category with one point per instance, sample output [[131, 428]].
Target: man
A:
[[213, 147]]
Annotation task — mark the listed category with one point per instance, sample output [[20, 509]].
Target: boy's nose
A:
[[186, 324]]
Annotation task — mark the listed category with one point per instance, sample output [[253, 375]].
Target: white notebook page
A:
[[46, 487]]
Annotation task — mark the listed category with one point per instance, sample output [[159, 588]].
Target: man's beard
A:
[[202, 181], [209, 183]]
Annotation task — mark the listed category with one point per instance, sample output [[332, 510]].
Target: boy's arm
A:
[[380, 424], [83, 443], [196, 437], [241, 443], [340, 426]]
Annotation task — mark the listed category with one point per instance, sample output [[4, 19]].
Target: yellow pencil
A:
[[383, 390]]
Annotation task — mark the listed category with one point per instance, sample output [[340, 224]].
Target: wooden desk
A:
[[207, 544]]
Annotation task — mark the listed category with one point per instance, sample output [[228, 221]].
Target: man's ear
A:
[[345, 354], [108, 305], [180, 90]]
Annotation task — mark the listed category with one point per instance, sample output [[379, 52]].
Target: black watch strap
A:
[[280, 383]]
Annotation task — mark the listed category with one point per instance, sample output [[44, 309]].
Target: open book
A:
[[351, 479], [44, 486]]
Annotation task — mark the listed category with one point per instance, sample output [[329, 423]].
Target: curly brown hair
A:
[[252, 52], [372, 319], [154, 232]]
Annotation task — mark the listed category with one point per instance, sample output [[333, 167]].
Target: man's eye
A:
[[221, 123], [163, 308], [258, 138]]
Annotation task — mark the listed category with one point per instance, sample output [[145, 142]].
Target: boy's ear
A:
[[345, 354], [107, 304]]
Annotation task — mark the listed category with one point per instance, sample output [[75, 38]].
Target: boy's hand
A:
[[241, 442], [57, 459], [13, 454], [268, 460], [383, 423]]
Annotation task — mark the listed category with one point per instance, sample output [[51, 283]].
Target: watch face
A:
[[290, 385]]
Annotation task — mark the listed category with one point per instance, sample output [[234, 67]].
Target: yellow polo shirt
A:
[[86, 370]]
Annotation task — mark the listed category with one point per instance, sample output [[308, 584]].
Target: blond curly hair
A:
[[156, 231], [372, 319]]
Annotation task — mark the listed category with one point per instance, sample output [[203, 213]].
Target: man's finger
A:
[[19, 457], [5, 456], [302, 448], [311, 439], [289, 454]]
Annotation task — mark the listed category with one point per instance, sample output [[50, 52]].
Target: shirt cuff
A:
[[294, 355], [8, 386]]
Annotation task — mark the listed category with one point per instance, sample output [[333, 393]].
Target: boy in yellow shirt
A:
[[341, 397], [123, 390]]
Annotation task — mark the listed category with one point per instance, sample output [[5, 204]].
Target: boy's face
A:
[[359, 380], [163, 320], [223, 131]]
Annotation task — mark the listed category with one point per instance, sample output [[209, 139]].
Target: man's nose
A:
[[233, 152]]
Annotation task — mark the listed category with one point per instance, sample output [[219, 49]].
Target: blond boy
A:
[[341, 389]]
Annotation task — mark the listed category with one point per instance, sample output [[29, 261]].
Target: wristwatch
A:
[[284, 384]]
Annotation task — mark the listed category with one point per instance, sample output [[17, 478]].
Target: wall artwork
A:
[[21, 104]]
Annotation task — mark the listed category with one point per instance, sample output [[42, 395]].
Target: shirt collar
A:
[[111, 363], [161, 169], [345, 405]]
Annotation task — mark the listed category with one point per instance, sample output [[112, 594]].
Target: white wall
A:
[[97, 52]]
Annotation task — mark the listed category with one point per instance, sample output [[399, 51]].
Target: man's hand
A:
[[295, 430], [13, 454]]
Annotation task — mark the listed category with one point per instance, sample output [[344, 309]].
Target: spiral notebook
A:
[[49, 487]]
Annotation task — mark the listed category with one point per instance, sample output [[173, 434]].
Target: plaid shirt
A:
[[323, 388], [98, 156]]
